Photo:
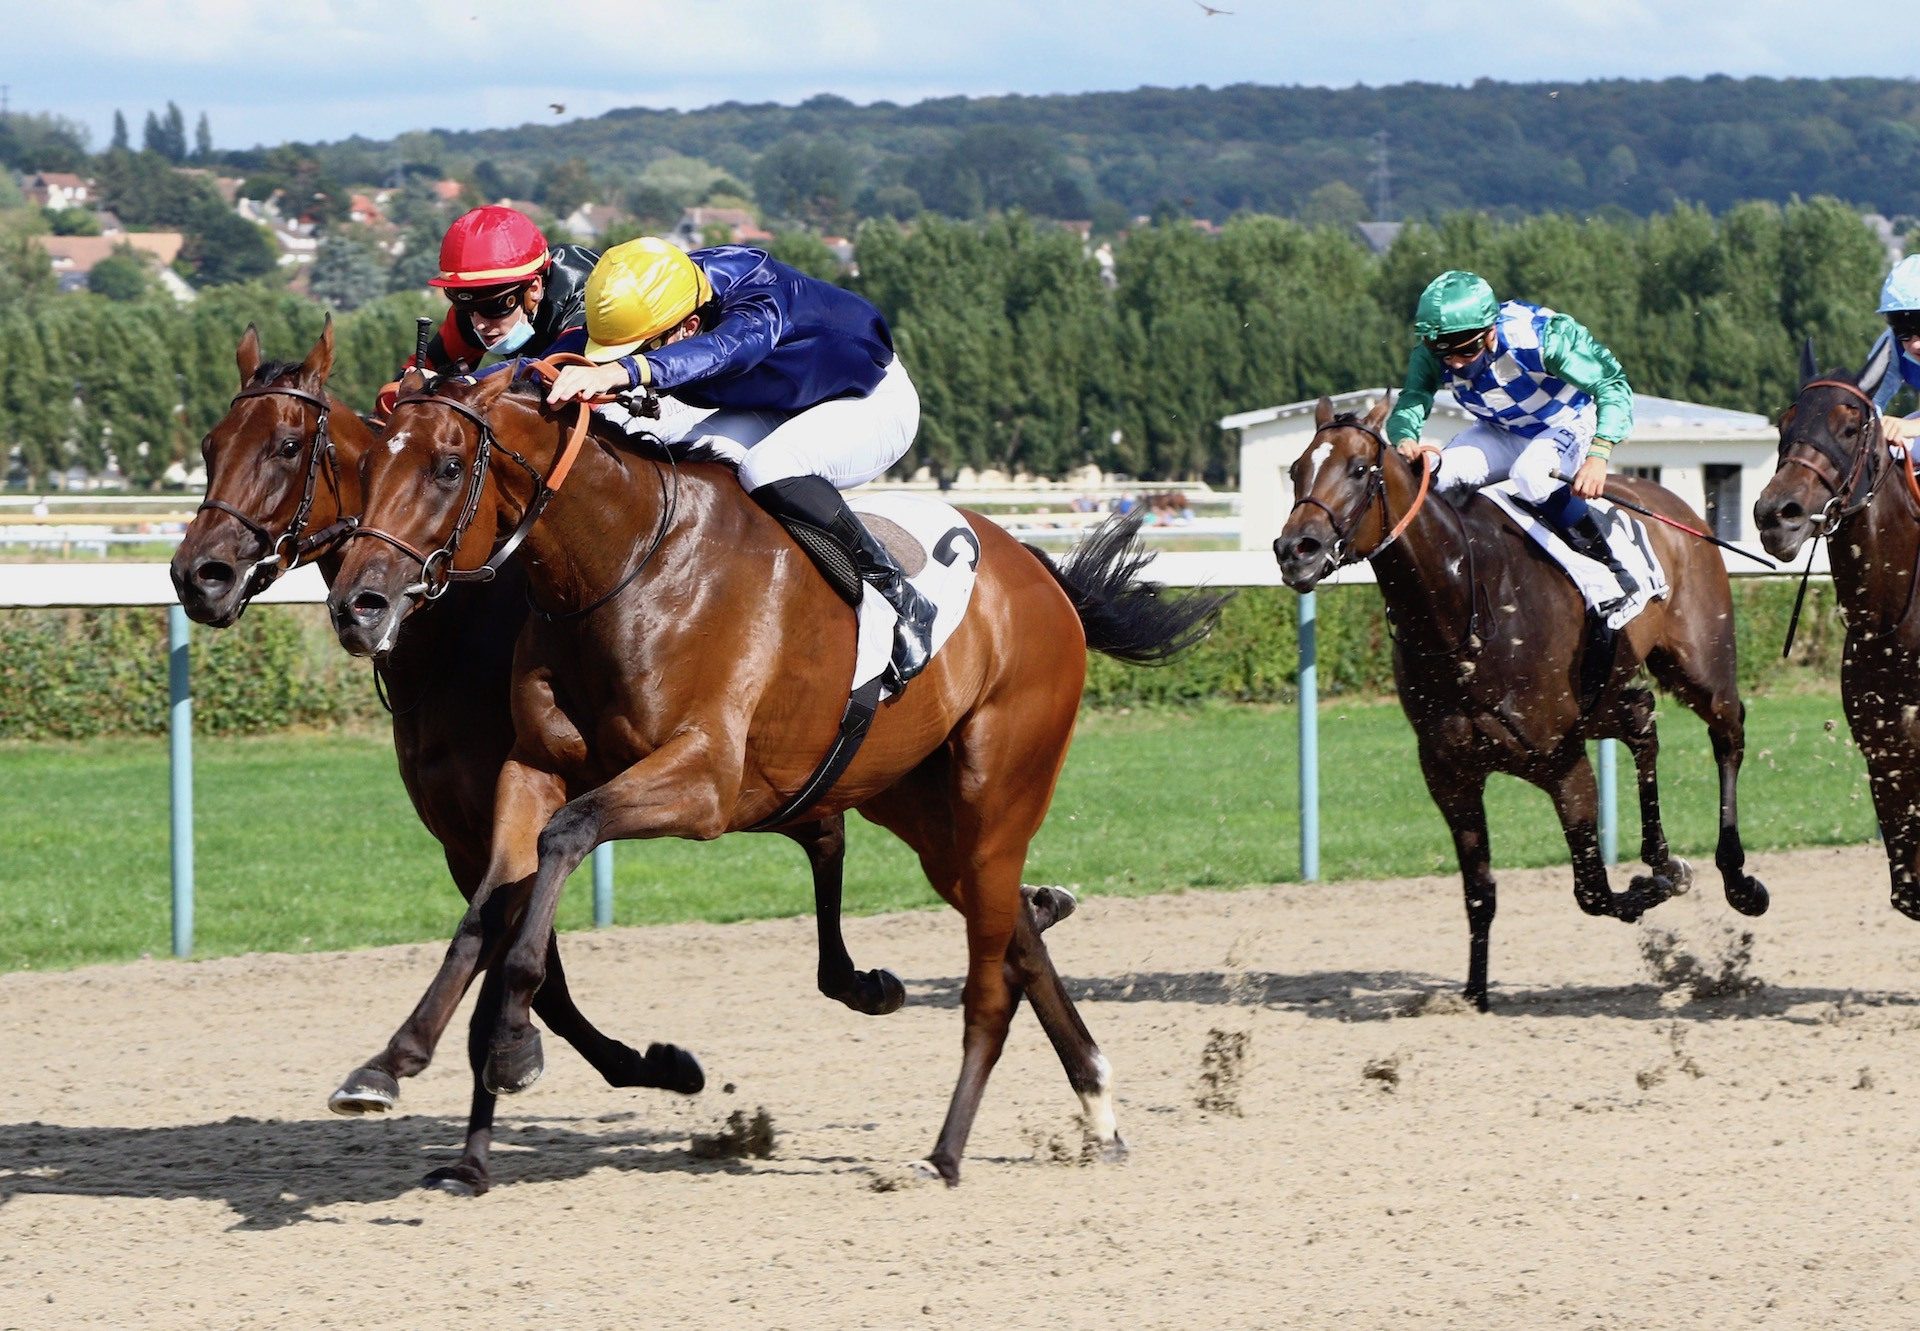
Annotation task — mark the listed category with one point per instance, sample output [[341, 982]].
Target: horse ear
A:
[[1377, 414], [413, 381], [247, 355], [319, 362], [1323, 412], [488, 388], [1879, 362], [1809, 368]]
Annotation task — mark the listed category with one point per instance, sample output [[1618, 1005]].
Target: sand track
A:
[[1600, 1152]]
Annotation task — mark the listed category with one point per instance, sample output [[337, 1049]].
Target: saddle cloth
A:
[[1626, 537], [941, 556]]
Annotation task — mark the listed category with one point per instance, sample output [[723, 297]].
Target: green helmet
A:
[[1455, 302]]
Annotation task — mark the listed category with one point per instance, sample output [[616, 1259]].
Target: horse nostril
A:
[[212, 575], [1790, 512], [366, 608]]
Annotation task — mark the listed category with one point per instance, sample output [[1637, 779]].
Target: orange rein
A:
[[549, 369], [1420, 497]]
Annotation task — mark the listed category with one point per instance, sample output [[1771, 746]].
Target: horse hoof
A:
[[1050, 905], [1113, 1152], [461, 1180], [1478, 999], [365, 1091], [947, 1171], [513, 1065], [1748, 896], [1680, 874], [880, 993], [1906, 900], [671, 1068]]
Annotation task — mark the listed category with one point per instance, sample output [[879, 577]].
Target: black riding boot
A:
[[814, 501], [1587, 539]]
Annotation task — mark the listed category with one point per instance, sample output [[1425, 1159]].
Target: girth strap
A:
[[854, 723]]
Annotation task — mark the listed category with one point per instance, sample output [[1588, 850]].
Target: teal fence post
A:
[[1609, 802], [180, 764], [603, 884], [1309, 742]]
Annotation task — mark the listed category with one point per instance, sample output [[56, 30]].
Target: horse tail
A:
[[1124, 617]]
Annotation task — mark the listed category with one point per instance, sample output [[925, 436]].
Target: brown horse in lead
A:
[[283, 483], [684, 673], [1489, 641], [1837, 479]]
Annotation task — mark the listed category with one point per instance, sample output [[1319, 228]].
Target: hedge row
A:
[[1254, 655], [68, 674], [74, 674]]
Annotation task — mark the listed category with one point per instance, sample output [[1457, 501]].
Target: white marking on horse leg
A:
[[1097, 1104]]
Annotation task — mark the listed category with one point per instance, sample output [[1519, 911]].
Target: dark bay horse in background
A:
[[1836, 479], [283, 469], [685, 672], [1489, 639]]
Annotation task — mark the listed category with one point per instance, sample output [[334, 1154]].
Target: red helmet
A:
[[490, 247]]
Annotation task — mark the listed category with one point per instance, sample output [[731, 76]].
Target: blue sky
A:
[[325, 69]]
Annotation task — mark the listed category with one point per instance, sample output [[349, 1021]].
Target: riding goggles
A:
[[1458, 344], [487, 302], [1904, 323]]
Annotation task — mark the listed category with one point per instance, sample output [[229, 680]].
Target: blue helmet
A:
[[1902, 290]]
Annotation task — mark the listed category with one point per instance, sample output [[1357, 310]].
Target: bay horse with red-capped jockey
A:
[[686, 669], [1837, 478], [1489, 655], [283, 487]]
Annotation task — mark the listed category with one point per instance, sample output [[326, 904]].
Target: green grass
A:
[[308, 842]]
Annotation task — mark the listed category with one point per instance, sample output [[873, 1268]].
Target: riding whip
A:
[[1708, 537], [422, 334]]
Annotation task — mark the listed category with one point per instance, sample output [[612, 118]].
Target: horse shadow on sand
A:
[[273, 1173], [1391, 994]]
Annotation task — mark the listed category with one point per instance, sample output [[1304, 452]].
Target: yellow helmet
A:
[[639, 290]]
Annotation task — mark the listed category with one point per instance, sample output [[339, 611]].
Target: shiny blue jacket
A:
[[1904, 371], [782, 341]]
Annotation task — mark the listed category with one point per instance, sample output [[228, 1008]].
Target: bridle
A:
[[437, 572], [1827, 461], [287, 550], [1341, 554]]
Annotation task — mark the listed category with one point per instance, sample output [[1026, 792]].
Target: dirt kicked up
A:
[[1321, 1133]]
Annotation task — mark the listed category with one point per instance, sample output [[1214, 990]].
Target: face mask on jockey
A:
[[513, 339]]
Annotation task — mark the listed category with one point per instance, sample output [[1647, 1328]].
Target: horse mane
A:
[[269, 370], [526, 385]]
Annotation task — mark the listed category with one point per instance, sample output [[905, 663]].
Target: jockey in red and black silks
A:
[[508, 292]]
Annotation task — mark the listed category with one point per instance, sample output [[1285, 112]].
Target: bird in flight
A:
[[559, 108], [1210, 11]]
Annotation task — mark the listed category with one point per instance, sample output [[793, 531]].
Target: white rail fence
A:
[[89, 586]]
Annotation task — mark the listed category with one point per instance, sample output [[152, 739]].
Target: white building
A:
[[1716, 460]]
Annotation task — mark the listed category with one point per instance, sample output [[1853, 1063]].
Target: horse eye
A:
[[1356, 468], [448, 469], [288, 446]]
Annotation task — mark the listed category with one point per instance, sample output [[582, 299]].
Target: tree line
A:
[[1637, 146], [1029, 358]]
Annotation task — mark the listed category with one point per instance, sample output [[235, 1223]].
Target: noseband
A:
[[289, 548], [1342, 552], [1863, 466]]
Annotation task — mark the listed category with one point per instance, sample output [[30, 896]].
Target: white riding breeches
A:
[[1484, 453], [849, 440]]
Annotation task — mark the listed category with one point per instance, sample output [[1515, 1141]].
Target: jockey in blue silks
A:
[[1900, 304], [798, 373]]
